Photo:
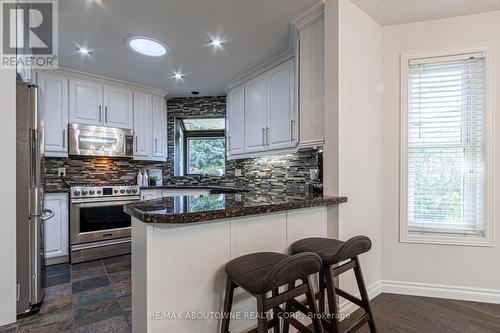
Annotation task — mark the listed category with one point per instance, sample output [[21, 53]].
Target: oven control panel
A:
[[104, 191]]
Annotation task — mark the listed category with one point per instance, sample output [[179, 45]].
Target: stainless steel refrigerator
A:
[[29, 199]]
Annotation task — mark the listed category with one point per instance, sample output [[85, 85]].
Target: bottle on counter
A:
[[139, 178], [145, 177]]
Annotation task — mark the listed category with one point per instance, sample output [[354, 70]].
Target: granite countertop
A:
[[191, 209]]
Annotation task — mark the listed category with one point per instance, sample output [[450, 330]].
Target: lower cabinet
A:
[[56, 229]]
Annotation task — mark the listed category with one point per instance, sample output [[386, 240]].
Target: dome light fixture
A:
[[147, 46]]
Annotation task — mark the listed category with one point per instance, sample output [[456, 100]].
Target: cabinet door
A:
[[142, 126], [256, 114], [281, 131], [85, 102], [236, 121], [118, 108], [159, 125], [54, 103], [56, 229], [312, 100], [151, 195]]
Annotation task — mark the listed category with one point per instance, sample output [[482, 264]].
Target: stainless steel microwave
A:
[[90, 140]]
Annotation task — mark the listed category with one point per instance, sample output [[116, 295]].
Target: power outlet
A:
[[61, 172], [237, 172]]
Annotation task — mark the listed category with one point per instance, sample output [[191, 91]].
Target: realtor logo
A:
[[29, 33]]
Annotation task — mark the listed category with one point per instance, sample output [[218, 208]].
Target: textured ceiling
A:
[[390, 12], [256, 31]]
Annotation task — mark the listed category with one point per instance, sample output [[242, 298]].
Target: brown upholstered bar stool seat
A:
[[334, 252], [262, 273]]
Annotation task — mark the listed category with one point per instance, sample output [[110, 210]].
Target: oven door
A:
[[92, 221]]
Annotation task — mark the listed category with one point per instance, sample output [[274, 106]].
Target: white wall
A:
[[461, 266], [8, 198], [356, 128]]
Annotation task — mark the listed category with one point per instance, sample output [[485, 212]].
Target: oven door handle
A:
[[85, 204]]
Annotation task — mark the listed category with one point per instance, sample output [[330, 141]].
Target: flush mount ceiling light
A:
[[147, 46], [83, 51]]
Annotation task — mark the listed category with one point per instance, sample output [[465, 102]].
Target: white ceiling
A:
[[390, 12], [256, 30]]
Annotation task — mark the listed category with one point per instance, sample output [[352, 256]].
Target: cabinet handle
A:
[[64, 138], [106, 114], [156, 145], [228, 143], [267, 135], [100, 113], [136, 144], [292, 127], [263, 136]]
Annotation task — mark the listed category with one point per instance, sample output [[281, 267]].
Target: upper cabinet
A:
[[54, 103], [256, 109], [262, 113], [75, 98], [150, 127], [159, 117], [311, 50], [85, 102], [118, 107], [281, 131], [93, 103], [142, 126], [235, 118]]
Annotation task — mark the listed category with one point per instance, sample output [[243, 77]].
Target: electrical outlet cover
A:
[[237, 172], [61, 171]]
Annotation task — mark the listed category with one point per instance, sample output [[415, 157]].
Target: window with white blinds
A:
[[446, 145]]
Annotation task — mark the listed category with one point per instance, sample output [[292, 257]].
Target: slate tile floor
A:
[[91, 297]]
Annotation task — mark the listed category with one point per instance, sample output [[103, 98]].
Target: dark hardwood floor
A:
[[411, 314]]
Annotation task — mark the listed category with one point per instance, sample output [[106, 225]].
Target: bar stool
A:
[[332, 253], [264, 272]]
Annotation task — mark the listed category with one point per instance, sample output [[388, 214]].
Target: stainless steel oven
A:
[[90, 140], [99, 227]]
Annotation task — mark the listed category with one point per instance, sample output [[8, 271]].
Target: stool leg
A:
[[364, 295], [228, 303], [311, 300], [332, 298], [262, 319], [322, 292], [276, 328], [288, 310]]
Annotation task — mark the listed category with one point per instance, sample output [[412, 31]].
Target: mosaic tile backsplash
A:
[[271, 174]]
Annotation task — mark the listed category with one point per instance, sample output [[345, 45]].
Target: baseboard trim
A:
[[441, 291]]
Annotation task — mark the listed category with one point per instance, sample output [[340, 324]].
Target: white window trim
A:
[[448, 239]]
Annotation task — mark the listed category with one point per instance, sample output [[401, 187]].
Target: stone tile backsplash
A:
[[270, 174]]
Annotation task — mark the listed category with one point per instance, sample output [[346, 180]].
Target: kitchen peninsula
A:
[[180, 245]]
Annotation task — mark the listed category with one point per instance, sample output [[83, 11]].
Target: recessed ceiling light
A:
[[147, 46], [178, 76], [216, 42], [84, 50]]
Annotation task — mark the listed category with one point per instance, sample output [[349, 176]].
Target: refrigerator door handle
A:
[[33, 145], [47, 215]]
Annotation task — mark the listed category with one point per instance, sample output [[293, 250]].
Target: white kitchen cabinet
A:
[[53, 99], [118, 107], [235, 117], [312, 90], [56, 235], [142, 126], [281, 131], [256, 108], [85, 102], [159, 128]]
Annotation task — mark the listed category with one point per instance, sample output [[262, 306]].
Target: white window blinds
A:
[[446, 145]]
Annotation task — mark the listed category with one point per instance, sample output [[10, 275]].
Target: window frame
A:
[[208, 134], [406, 236]]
